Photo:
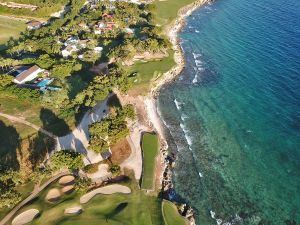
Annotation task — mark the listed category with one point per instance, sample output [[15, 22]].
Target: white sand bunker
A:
[[25, 217], [66, 180], [107, 190], [68, 189], [73, 210], [53, 195]]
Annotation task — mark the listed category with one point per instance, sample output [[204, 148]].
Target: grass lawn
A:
[[166, 11], [23, 130], [150, 70], [171, 215], [36, 114], [10, 28], [136, 208], [150, 146]]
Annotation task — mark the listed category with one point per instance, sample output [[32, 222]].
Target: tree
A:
[[5, 80], [97, 144], [115, 170], [62, 71], [45, 61], [111, 129], [66, 159]]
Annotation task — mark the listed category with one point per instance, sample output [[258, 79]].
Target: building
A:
[[73, 44], [33, 25], [27, 74]]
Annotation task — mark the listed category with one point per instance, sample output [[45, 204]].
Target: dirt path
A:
[[33, 195], [20, 120]]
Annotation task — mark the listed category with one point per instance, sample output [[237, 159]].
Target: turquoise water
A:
[[233, 115]]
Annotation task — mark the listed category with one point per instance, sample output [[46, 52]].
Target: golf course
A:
[[10, 28]]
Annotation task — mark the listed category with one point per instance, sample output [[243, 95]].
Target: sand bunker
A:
[[66, 180], [68, 189], [53, 195], [73, 210], [107, 190], [25, 217]]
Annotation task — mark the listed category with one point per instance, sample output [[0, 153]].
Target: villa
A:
[[73, 44], [25, 74]]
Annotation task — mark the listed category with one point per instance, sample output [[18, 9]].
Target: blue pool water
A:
[[233, 115]]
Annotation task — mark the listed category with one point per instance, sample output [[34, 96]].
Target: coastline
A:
[[149, 119], [166, 160]]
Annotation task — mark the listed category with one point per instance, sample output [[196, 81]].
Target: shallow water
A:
[[233, 115]]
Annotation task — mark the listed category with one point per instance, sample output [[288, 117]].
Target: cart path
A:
[[23, 121], [33, 195]]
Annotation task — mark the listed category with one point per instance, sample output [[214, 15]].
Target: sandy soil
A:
[[25, 217], [120, 152], [65, 180], [53, 195], [101, 175], [73, 210], [107, 190]]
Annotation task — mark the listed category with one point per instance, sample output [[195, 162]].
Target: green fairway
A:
[[171, 215], [35, 113], [150, 147], [10, 28], [166, 11], [148, 71], [136, 208]]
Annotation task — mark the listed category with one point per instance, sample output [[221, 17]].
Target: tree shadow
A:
[[9, 144], [39, 145], [116, 211], [52, 123], [113, 101]]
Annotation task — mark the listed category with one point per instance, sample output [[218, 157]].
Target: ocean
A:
[[233, 115]]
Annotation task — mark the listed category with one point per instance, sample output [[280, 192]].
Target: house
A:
[[98, 49], [67, 51], [129, 31], [103, 26], [83, 25], [28, 74], [33, 25], [73, 44]]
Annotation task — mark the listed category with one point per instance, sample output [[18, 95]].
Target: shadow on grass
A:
[[39, 145], [116, 211], [9, 145], [52, 123]]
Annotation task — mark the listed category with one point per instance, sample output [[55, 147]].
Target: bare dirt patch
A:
[[120, 152]]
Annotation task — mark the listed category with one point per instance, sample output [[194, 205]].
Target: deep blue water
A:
[[233, 115]]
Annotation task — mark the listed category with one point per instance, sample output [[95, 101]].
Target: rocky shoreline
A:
[[168, 159]]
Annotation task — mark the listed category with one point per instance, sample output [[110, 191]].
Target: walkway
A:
[[20, 120], [79, 138], [33, 195]]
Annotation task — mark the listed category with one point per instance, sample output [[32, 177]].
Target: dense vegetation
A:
[[44, 8], [111, 129], [66, 159], [81, 88]]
